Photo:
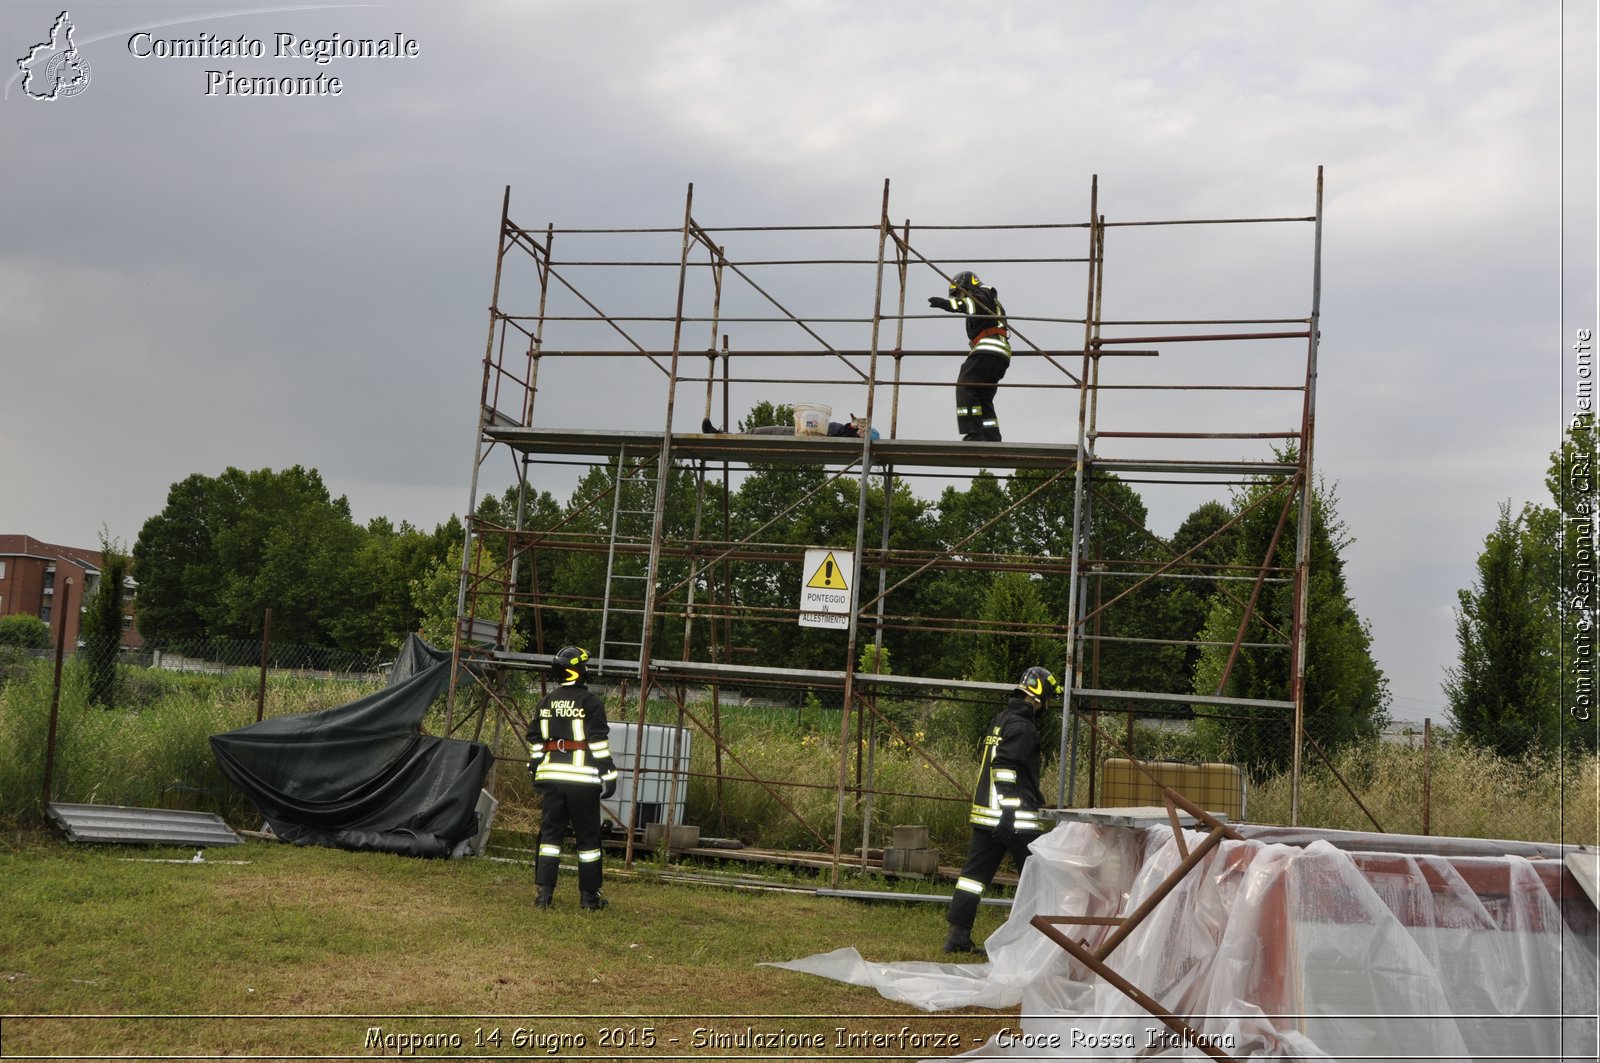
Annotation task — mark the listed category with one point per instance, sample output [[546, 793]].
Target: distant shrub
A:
[[24, 632]]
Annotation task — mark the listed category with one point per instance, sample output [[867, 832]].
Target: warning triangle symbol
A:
[[829, 576]]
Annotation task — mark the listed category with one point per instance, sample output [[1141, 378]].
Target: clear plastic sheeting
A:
[[1275, 950]]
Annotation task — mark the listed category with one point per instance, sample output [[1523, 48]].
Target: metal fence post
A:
[[55, 690], [1427, 775], [261, 687]]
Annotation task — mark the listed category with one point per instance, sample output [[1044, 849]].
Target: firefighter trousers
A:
[[984, 853], [577, 804], [975, 390]]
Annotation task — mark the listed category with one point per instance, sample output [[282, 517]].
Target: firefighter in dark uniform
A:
[[987, 360], [570, 756], [1005, 806]]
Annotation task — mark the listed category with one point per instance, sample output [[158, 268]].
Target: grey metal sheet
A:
[[1133, 816], [1353, 841], [141, 826]]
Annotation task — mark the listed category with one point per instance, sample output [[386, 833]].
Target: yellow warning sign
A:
[[828, 575], [825, 587]]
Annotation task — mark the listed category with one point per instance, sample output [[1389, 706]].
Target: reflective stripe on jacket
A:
[[569, 739], [993, 341], [1008, 772]]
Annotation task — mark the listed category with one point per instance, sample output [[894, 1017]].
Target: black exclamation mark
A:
[[827, 572]]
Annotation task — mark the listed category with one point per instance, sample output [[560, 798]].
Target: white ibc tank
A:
[[661, 794]]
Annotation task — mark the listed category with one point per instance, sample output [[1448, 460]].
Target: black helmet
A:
[[964, 283], [569, 666], [1037, 681]]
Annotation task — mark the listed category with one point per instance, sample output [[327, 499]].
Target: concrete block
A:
[[910, 861], [910, 837], [677, 836]]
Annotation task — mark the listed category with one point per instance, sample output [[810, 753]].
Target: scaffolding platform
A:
[[761, 449]]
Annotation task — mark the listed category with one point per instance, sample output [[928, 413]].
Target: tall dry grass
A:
[[1454, 789], [780, 768], [152, 751]]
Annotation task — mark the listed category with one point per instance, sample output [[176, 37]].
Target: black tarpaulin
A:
[[363, 775]]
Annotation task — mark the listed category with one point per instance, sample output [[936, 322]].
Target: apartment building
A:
[[33, 580]]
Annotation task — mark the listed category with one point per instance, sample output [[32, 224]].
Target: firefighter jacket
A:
[[569, 740], [1008, 776], [986, 321]]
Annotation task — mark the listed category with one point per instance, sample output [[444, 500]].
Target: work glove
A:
[[608, 788], [1006, 829], [939, 302]]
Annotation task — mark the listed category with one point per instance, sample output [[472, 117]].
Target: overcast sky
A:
[[190, 281]]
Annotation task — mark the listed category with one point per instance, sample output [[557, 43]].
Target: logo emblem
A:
[[55, 69]]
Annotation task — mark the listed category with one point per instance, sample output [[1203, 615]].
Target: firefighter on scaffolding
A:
[[570, 758], [1005, 806], [987, 360]]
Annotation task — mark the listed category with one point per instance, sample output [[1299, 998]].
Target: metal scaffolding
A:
[[595, 335]]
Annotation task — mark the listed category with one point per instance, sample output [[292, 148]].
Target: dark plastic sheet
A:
[[363, 776]]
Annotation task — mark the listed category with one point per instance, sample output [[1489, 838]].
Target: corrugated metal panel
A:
[[141, 826]]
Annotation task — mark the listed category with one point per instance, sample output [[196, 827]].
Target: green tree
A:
[[576, 577], [177, 564], [1346, 695], [1504, 693], [910, 595], [224, 549], [101, 629], [433, 594], [1016, 631], [1573, 479], [1125, 611], [1525, 630], [969, 537], [1209, 542], [785, 507], [388, 559]]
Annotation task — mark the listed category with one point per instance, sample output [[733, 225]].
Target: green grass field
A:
[[270, 951], [273, 951]]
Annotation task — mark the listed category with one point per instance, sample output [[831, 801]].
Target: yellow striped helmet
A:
[[569, 666], [964, 284], [1036, 682]]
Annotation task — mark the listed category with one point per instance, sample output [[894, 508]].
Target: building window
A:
[[44, 614], [2, 570]]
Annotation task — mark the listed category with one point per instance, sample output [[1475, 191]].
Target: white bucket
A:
[[811, 418]]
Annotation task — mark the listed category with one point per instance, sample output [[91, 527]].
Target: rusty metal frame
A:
[[511, 382]]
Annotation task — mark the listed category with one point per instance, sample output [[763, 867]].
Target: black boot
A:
[[591, 899], [543, 898], [960, 940], [708, 428]]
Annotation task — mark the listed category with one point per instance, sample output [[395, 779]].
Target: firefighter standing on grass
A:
[[1005, 806], [987, 360], [570, 757]]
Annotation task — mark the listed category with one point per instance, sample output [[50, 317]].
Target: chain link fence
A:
[[1412, 778]]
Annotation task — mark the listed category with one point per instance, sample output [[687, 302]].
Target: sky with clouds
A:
[[190, 281]]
